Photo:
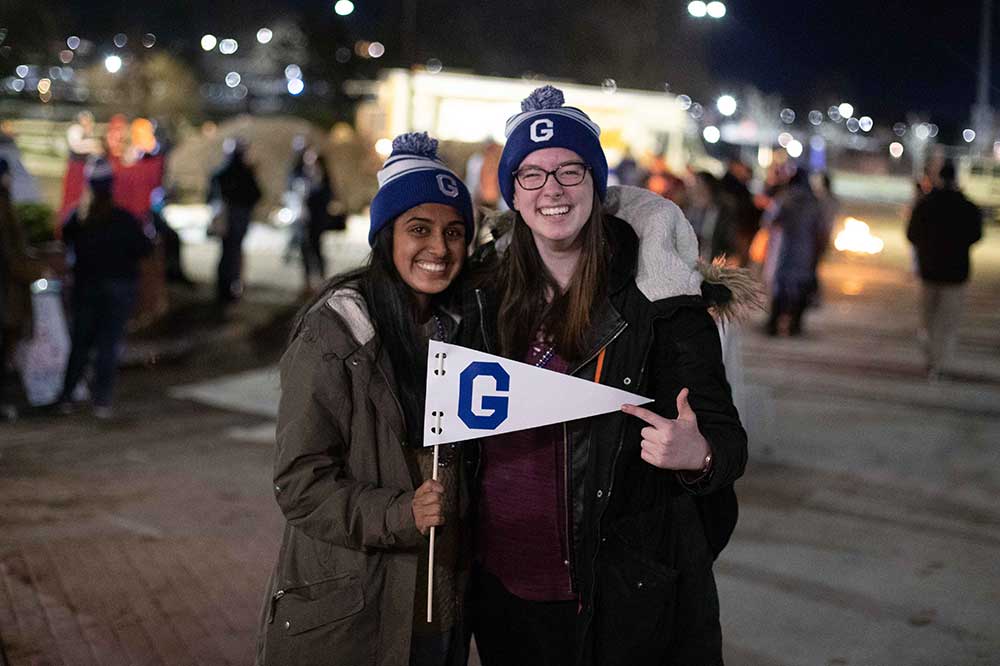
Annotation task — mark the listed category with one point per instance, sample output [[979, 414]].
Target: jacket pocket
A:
[[634, 607], [300, 609]]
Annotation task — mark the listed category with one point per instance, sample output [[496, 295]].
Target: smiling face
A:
[[428, 248], [555, 213]]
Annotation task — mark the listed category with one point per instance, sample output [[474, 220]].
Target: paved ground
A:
[[869, 530]]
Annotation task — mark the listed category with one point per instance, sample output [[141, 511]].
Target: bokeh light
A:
[[113, 64], [794, 148], [684, 101], [73, 42], [896, 149], [264, 35], [846, 110], [866, 123], [343, 7], [969, 135], [711, 134], [376, 49], [609, 86], [787, 116], [228, 46], [295, 86], [233, 79], [293, 71], [148, 40], [716, 9], [697, 8], [383, 147], [726, 104], [208, 42], [434, 66], [120, 40], [816, 117]]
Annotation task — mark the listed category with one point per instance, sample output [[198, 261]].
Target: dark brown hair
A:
[[524, 306]]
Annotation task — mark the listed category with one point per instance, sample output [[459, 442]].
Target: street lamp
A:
[[726, 105], [701, 9], [113, 64], [343, 7]]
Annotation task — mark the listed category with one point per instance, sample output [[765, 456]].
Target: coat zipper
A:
[[280, 593]]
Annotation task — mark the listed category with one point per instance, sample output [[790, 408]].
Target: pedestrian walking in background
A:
[[317, 194], [795, 223], [18, 269], [734, 184], [233, 193], [350, 474], [168, 238], [714, 218], [942, 228], [595, 539], [104, 244]]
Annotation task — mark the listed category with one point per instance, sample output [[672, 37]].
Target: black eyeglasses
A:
[[567, 175]]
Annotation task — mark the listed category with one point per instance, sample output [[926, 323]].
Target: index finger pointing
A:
[[652, 418]]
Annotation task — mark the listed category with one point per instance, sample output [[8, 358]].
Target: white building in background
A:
[[470, 108]]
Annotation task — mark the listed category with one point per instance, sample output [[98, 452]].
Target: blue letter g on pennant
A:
[[494, 402]]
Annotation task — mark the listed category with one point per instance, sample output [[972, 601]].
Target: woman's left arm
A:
[[687, 360]]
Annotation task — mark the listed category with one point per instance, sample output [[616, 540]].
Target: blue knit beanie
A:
[[414, 175], [545, 123]]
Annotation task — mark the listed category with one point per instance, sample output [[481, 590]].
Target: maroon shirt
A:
[[523, 521]]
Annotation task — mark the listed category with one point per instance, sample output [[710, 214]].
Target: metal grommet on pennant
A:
[[440, 357], [436, 428]]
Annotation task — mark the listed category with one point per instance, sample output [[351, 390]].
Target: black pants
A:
[[229, 284], [312, 252], [510, 631]]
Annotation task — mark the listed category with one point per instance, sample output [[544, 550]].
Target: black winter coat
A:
[[643, 540], [943, 226]]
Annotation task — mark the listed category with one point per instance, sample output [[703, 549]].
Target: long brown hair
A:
[[524, 306]]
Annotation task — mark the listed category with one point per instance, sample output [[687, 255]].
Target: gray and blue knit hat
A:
[[414, 175], [545, 123]]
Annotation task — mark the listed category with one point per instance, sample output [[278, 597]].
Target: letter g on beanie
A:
[[414, 175], [545, 123]]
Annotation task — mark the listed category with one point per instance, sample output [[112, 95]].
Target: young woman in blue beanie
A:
[[595, 539], [350, 473]]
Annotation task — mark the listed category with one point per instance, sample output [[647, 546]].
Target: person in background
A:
[[18, 269], [104, 244], [734, 184], [234, 188], [317, 193], [351, 474], [170, 239], [942, 228]]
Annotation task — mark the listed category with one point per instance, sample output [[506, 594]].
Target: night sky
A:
[[884, 57]]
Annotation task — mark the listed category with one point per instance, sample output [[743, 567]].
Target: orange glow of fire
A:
[[856, 236]]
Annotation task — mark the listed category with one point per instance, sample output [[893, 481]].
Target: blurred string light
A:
[[233, 79], [44, 86], [113, 64], [149, 40], [866, 123], [899, 129], [697, 110], [228, 46], [846, 110], [376, 49], [383, 147], [264, 35], [784, 139], [969, 135], [17, 85], [343, 7], [73, 42], [834, 113], [922, 131], [208, 42], [726, 104], [815, 117], [434, 66], [295, 86], [932, 130], [711, 134], [794, 148], [697, 9], [609, 86], [684, 101], [120, 40], [716, 9], [853, 125], [896, 149], [787, 116], [22, 70], [293, 72]]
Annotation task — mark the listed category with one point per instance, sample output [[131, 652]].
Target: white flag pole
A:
[[430, 556]]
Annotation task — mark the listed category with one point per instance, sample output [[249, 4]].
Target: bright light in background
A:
[[295, 86], [815, 117], [834, 113], [899, 129], [434, 66], [922, 131], [794, 148], [932, 130], [846, 110], [17, 85], [293, 72], [376, 49], [113, 64], [716, 9], [208, 42], [856, 236], [816, 142], [120, 40], [711, 134], [684, 101], [697, 8], [866, 123], [787, 116], [383, 147], [228, 46], [726, 105], [343, 7], [233, 79], [44, 86], [853, 125], [264, 35], [969, 135], [765, 155], [896, 149], [73, 42], [784, 139], [22, 70]]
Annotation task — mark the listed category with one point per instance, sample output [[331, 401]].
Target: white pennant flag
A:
[[472, 394]]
